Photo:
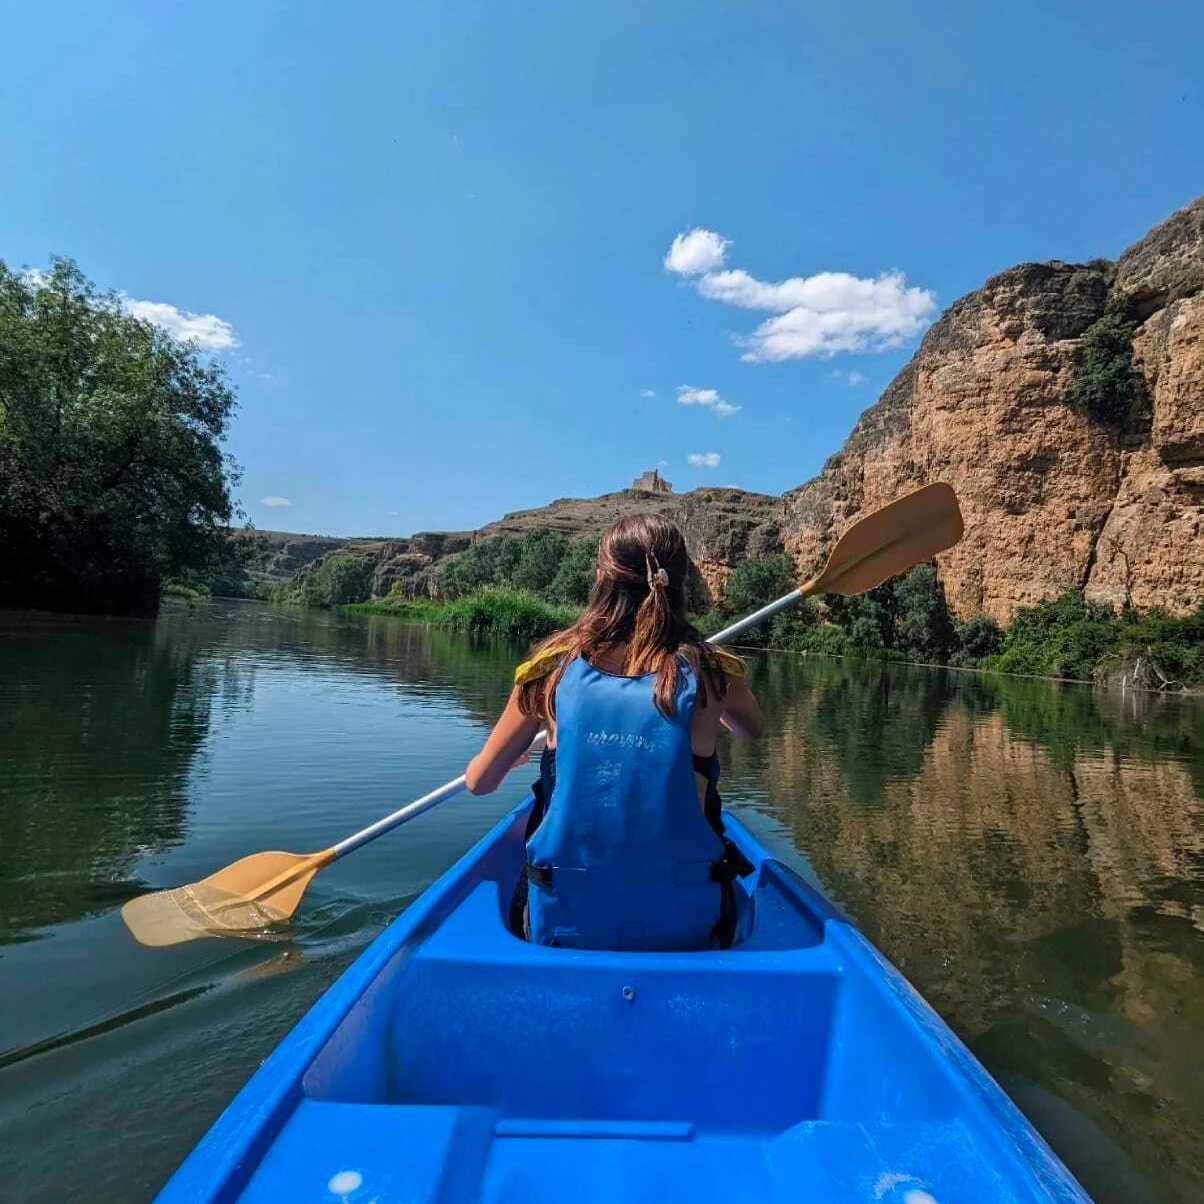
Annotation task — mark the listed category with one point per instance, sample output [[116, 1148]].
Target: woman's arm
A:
[[741, 714], [510, 738]]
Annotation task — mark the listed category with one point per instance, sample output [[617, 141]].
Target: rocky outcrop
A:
[[1053, 499], [721, 526]]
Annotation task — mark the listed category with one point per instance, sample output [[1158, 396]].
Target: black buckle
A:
[[732, 865]]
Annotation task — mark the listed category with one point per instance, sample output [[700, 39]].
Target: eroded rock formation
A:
[[1053, 499]]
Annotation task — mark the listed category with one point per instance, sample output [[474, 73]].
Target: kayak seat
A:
[[478, 1017]]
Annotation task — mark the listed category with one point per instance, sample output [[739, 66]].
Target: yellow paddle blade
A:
[[259, 890], [891, 541]]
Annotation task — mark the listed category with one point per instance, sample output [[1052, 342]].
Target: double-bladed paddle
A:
[[267, 887]]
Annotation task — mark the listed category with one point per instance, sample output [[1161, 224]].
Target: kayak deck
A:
[[455, 1062]]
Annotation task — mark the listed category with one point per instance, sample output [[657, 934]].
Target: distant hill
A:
[[721, 526], [1069, 477]]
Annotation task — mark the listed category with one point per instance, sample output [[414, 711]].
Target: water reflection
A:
[[1032, 857], [99, 723]]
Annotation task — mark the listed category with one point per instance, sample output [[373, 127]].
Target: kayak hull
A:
[[455, 1062]]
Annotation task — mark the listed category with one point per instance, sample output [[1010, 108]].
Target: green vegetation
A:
[[907, 619], [112, 475], [755, 583], [510, 614], [1105, 384], [1070, 637], [337, 581], [545, 563], [523, 587]]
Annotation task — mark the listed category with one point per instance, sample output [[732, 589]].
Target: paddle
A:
[[266, 887]]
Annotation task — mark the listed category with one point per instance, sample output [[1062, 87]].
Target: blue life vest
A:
[[624, 857]]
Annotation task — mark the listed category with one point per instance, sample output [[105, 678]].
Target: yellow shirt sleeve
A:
[[730, 663], [538, 666]]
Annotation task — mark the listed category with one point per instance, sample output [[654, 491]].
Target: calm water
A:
[[1032, 857]]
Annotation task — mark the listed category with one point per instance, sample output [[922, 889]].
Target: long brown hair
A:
[[638, 600]]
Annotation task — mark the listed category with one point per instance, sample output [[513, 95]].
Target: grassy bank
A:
[[507, 613], [907, 619], [524, 587]]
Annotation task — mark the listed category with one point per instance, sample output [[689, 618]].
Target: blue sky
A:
[[437, 233]]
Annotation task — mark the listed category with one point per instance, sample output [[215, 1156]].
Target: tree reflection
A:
[[99, 723], [1031, 854]]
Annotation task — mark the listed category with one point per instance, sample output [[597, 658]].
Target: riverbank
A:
[[505, 613], [1065, 638]]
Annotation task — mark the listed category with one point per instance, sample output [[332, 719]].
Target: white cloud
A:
[[393, 513], [696, 251], [647, 394], [687, 395], [207, 331], [854, 378], [824, 314], [274, 499], [704, 459]]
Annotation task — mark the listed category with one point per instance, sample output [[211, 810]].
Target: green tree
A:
[[575, 575], [112, 474], [1105, 384], [756, 582], [924, 628], [540, 554], [976, 638], [337, 580], [1061, 637], [868, 619], [483, 565]]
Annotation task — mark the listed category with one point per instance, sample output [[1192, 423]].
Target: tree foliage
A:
[[575, 574], [923, 627], [1069, 637], [1105, 383], [112, 474], [337, 581], [544, 563], [754, 583], [976, 638]]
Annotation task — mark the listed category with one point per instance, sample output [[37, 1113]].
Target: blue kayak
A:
[[455, 1062]]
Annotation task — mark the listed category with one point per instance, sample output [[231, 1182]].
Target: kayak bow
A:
[[455, 1062]]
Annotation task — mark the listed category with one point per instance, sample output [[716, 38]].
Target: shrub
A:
[[1105, 385], [508, 613], [337, 580], [975, 639]]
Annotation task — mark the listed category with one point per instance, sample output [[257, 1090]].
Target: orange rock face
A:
[[1053, 499]]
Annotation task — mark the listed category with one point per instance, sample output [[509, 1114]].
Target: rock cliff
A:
[[1053, 499], [721, 526]]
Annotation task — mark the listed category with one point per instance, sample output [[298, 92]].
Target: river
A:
[[1031, 856]]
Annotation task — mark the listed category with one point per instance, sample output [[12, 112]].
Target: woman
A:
[[629, 854]]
